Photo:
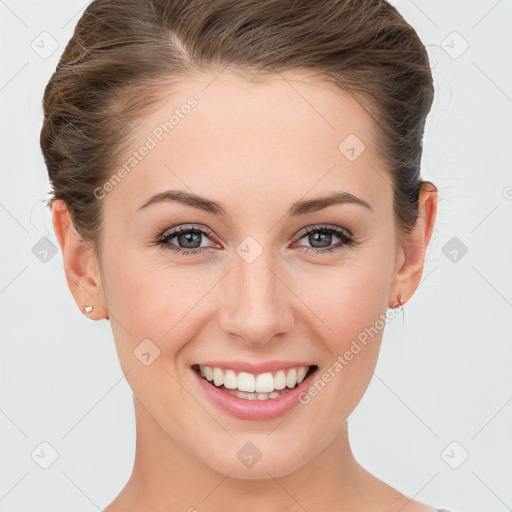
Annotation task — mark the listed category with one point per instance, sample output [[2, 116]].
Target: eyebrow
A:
[[298, 208]]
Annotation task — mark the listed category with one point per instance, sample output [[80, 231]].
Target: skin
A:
[[256, 149]]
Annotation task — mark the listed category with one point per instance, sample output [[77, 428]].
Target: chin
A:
[[248, 462]]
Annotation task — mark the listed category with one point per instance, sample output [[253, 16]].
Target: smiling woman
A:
[[249, 248]]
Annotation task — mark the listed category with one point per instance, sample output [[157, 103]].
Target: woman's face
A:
[[248, 285]]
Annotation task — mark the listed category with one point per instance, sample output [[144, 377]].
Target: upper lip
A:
[[256, 368]]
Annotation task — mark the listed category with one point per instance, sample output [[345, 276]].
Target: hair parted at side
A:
[[124, 53]]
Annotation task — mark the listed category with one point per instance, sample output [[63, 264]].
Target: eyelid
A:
[[325, 227], [346, 237], [176, 230]]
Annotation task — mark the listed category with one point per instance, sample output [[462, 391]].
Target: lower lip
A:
[[254, 410]]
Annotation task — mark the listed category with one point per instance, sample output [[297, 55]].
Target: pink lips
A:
[[254, 410]]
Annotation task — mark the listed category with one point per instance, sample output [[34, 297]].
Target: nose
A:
[[255, 301]]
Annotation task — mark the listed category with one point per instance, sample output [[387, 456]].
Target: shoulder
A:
[[388, 499], [403, 503], [416, 506]]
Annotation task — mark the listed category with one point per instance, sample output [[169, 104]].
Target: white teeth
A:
[[230, 379], [256, 396], [246, 382], [261, 386], [264, 383], [291, 378], [301, 373], [218, 376], [280, 380]]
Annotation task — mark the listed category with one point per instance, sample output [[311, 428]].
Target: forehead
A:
[[286, 136]]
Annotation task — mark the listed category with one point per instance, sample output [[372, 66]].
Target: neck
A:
[[166, 478]]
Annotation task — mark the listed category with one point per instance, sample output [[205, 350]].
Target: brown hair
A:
[[124, 53]]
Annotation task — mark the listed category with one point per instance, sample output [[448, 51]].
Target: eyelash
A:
[[347, 240]]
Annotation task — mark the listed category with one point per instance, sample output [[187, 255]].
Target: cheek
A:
[[348, 298], [149, 299], [149, 307], [351, 302]]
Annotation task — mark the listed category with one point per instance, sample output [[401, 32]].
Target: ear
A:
[[80, 264], [411, 253]]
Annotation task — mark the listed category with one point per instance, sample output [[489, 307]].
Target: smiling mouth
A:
[[268, 385]]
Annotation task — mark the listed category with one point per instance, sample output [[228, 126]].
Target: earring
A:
[[88, 309], [399, 299]]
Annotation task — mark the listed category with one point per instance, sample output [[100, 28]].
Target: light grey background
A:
[[443, 376]]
